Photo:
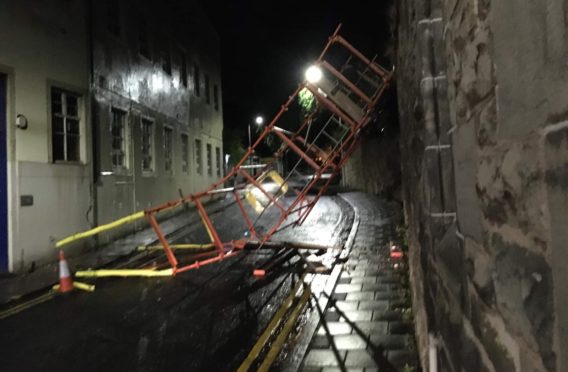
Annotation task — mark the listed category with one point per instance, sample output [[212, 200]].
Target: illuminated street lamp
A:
[[258, 121], [313, 74]]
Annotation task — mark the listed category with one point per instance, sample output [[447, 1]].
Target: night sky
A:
[[267, 45]]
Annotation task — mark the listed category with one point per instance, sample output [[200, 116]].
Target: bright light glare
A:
[[313, 74], [259, 120]]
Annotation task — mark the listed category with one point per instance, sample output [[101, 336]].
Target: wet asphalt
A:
[[203, 320]]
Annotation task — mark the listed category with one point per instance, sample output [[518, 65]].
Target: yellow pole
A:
[[263, 339], [99, 229], [123, 273], [283, 335], [175, 246]]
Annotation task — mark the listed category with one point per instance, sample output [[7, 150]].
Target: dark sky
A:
[[267, 45]]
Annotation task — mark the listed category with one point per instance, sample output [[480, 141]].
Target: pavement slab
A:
[[366, 327]]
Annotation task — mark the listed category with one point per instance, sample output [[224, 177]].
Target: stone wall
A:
[[374, 166], [482, 90]]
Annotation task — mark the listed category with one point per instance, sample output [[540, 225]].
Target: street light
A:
[[313, 74], [258, 121]]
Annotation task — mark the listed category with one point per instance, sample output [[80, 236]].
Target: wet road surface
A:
[[204, 319]]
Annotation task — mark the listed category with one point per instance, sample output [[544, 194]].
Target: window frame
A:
[[152, 144], [218, 160], [199, 156], [126, 141], [185, 153], [207, 90], [63, 93], [168, 129], [216, 97], [209, 155]]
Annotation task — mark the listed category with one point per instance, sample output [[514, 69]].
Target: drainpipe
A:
[[92, 119], [432, 353]]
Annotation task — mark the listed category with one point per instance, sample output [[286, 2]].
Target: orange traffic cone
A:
[[65, 279]]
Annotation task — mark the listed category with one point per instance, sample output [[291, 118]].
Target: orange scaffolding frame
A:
[[349, 91]]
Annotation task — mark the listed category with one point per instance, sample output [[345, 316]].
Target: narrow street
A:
[[205, 319]]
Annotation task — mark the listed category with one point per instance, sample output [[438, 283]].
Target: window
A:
[[168, 149], [183, 70], [209, 160], [198, 156], [216, 97], [207, 95], [65, 126], [143, 39], [120, 139], [218, 160], [113, 17], [166, 60], [147, 145], [196, 80], [184, 153]]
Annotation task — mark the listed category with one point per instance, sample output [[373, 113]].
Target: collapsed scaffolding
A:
[[344, 89]]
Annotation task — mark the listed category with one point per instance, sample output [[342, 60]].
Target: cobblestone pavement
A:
[[367, 324]]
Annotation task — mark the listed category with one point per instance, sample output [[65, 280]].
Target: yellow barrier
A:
[[274, 323], [123, 273], [283, 335], [252, 199], [99, 229], [78, 285], [175, 246]]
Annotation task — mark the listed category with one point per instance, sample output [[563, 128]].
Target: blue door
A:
[[3, 179]]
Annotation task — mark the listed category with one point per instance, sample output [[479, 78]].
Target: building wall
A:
[[139, 85], [68, 45], [44, 45], [482, 89]]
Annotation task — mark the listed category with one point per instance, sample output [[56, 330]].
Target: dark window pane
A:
[[117, 143], [73, 126], [72, 109], [57, 124], [72, 148], [56, 106], [58, 147]]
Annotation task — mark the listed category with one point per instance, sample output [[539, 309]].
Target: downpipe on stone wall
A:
[[432, 353]]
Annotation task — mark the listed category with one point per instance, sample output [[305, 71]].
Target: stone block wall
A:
[[482, 89]]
